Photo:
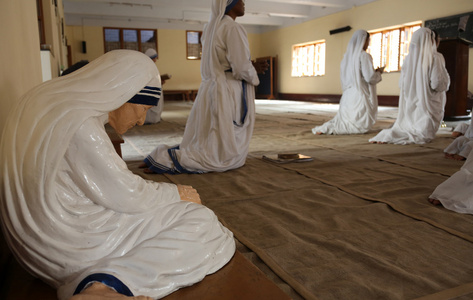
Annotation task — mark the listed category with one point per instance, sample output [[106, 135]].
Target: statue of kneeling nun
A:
[[71, 211]]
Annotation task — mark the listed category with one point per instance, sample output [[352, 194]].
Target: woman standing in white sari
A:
[[424, 80], [220, 125], [71, 211], [359, 103]]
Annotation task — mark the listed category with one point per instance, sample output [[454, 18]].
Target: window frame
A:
[[121, 40], [385, 51], [39, 11], [305, 65], [188, 57]]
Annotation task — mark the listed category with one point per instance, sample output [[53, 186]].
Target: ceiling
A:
[[260, 15]]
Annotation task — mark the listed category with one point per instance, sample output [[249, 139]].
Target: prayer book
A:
[[283, 158]]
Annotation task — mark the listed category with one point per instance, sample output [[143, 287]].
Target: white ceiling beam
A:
[[255, 15], [335, 3], [262, 14], [148, 10]]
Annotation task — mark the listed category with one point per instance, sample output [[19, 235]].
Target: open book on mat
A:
[[283, 158]]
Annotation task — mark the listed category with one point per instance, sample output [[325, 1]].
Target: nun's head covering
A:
[[230, 5], [350, 74], [415, 72], [209, 56], [151, 53], [53, 111]]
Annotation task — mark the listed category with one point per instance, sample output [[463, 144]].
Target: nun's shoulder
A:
[[365, 56]]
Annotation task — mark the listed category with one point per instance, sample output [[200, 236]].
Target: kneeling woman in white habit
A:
[[461, 147], [72, 212], [220, 125], [359, 103], [423, 83], [456, 193]]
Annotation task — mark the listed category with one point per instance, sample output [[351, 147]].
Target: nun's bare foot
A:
[[454, 156], [142, 165], [434, 201], [448, 155], [319, 133], [456, 134], [377, 142], [148, 171], [458, 157]]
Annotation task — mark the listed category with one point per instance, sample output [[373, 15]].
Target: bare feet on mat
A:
[[147, 171], [99, 291], [434, 201], [456, 134], [454, 156], [319, 133], [376, 142], [142, 166]]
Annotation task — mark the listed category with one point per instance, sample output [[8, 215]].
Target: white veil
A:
[[36, 136], [350, 69], [415, 79], [209, 55]]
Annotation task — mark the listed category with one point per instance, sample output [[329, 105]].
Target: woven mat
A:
[[354, 223]]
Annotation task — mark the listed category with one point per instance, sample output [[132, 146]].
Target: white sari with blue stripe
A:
[[73, 213], [220, 125]]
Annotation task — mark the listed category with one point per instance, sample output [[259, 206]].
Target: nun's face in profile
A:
[[127, 116], [238, 10]]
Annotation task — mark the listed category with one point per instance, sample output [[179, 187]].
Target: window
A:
[[133, 39], [308, 59], [390, 47], [194, 45]]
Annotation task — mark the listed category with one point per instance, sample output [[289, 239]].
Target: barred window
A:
[[132, 39], [390, 47], [308, 59], [194, 45]]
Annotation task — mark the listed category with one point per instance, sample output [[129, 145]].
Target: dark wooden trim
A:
[[388, 100], [331, 98], [186, 95], [42, 34], [264, 80], [321, 98]]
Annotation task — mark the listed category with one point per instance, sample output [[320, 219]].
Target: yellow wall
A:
[[255, 45], [93, 37], [172, 60], [20, 59], [380, 14], [171, 50]]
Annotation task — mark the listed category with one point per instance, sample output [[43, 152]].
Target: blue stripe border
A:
[[162, 169], [108, 280]]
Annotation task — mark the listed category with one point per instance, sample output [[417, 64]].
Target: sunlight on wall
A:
[[379, 14]]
